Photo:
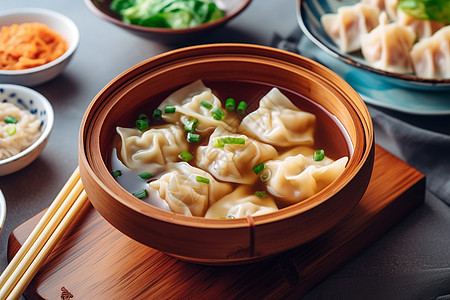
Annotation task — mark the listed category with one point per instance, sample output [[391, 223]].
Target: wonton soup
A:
[[228, 149]]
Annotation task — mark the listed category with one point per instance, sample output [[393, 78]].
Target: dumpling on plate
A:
[[295, 178], [347, 25], [158, 145], [230, 157], [241, 203], [279, 122], [387, 47], [189, 102], [431, 56], [422, 28], [185, 193]]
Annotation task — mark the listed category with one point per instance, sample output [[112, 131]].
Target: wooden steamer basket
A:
[[214, 241]]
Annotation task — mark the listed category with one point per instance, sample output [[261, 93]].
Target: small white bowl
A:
[[37, 104], [2, 211], [55, 21]]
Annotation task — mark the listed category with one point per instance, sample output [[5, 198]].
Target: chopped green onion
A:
[[265, 175], [145, 175], [141, 194], [258, 168], [141, 125], [143, 117], [202, 179], [116, 173], [191, 124], [230, 217], [186, 156], [261, 194], [193, 137], [169, 109], [230, 104], [142, 122], [205, 104], [11, 120], [220, 142], [242, 106], [319, 155], [217, 113], [157, 114], [11, 130]]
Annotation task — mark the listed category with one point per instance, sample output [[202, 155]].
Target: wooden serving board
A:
[[96, 261]]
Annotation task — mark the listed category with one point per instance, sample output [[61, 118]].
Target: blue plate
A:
[[308, 15]]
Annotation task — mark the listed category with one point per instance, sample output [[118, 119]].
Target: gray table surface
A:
[[412, 257]]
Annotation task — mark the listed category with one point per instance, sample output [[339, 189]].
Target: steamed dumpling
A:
[[422, 28], [187, 101], [349, 23], [295, 178], [279, 122], [233, 162], [431, 56], [241, 203], [184, 193], [387, 47], [157, 145]]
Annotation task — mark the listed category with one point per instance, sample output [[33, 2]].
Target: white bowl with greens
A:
[[169, 20], [26, 120]]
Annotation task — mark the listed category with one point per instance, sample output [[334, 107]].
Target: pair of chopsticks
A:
[[42, 240]]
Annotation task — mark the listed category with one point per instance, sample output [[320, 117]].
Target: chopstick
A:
[[42, 240]]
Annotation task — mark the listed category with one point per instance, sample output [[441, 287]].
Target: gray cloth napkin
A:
[[426, 150]]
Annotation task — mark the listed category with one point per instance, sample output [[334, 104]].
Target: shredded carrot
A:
[[29, 45]]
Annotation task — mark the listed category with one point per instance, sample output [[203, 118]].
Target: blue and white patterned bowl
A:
[[37, 104], [2, 211], [55, 21], [308, 16]]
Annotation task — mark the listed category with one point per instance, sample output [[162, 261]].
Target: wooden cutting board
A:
[[96, 261]]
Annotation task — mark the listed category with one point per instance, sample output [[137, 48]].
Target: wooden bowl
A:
[[215, 241], [232, 8]]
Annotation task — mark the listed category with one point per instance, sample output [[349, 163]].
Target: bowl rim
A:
[[51, 14], [48, 128], [201, 222], [407, 78], [3, 209], [99, 12]]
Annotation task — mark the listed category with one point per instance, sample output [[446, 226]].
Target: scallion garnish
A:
[[157, 114], [145, 175], [186, 156], [116, 173], [242, 106], [319, 155], [11, 130], [220, 142], [142, 122], [141, 125], [217, 113], [230, 104], [261, 194], [265, 175], [191, 124], [169, 109], [141, 194], [202, 179], [11, 120], [193, 137], [258, 168], [205, 104], [230, 217]]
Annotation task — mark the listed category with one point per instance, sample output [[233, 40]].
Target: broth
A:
[[329, 133]]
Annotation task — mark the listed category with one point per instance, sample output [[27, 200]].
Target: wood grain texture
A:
[[96, 261]]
